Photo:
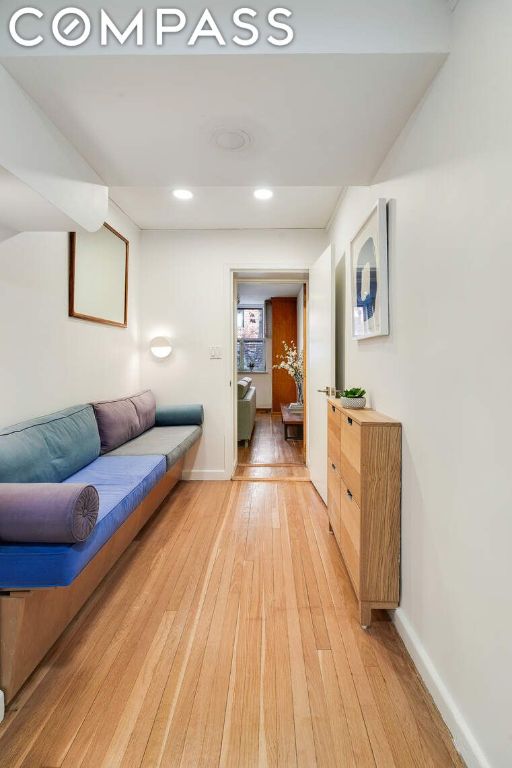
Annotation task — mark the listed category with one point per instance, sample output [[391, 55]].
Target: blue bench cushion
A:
[[172, 442], [122, 483], [49, 449]]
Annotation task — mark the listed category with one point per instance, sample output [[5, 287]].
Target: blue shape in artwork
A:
[[366, 295]]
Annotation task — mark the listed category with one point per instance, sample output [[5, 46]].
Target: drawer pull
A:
[[333, 408], [349, 420], [333, 465], [349, 494]]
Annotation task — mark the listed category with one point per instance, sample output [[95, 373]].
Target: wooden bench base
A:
[[31, 621]]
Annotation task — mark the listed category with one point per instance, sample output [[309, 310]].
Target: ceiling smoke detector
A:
[[231, 139]]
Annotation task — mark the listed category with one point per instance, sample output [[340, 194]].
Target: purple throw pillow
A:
[[145, 405], [121, 420], [47, 513], [117, 421]]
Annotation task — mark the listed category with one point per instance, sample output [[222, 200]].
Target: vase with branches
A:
[[292, 361]]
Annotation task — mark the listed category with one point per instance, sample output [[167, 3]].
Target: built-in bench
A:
[[43, 584]]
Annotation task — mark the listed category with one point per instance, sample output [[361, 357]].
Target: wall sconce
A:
[[160, 347]]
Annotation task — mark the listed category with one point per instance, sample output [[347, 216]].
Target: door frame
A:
[[232, 274]]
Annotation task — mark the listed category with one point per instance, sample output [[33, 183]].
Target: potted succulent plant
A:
[[353, 398]]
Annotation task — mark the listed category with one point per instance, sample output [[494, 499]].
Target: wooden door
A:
[[284, 328]]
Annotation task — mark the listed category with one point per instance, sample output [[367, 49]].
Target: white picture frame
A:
[[369, 276]]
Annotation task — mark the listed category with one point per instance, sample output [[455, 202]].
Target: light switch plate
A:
[[215, 353]]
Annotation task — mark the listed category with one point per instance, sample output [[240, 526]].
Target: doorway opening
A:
[[270, 329]]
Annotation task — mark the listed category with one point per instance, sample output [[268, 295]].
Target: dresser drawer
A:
[[350, 533], [333, 435], [333, 500], [350, 455]]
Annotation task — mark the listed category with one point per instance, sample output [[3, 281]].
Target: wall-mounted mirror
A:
[[98, 276]]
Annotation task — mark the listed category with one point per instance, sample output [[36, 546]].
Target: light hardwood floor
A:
[[269, 456], [227, 635], [289, 472], [267, 444]]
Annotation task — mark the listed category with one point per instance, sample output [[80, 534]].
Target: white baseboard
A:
[[205, 474], [464, 739]]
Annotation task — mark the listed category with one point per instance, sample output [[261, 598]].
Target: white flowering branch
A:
[[292, 361]]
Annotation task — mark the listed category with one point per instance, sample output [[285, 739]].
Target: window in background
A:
[[250, 347]]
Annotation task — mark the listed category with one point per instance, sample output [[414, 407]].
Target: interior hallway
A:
[[269, 455], [227, 635]]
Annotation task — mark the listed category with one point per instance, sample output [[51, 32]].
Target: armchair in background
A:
[[246, 409]]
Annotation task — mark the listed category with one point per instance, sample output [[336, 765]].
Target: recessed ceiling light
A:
[[263, 194], [183, 194], [231, 139]]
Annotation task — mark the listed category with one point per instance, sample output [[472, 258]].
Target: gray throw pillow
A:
[[145, 405], [125, 418], [117, 421], [243, 387]]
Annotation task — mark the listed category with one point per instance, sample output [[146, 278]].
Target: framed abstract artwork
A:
[[369, 276]]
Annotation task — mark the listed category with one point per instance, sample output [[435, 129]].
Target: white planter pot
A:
[[353, 402]]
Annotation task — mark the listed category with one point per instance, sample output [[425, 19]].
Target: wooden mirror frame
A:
[[72, 258]]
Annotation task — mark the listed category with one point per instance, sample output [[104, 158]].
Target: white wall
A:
[[446, 372], [48, 360], [184, 296]]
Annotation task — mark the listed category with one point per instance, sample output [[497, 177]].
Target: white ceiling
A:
[[258, 292], [315, 120], [228, 208], [317, 123]]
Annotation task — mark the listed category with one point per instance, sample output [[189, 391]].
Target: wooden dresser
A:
[[364, 485]]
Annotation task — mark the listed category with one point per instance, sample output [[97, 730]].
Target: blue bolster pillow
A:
[[47, 513], [179, 415]]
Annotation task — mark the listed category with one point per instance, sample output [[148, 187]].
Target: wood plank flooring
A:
[[227, 635], [267, 444], [269, 456], [257, 472]]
